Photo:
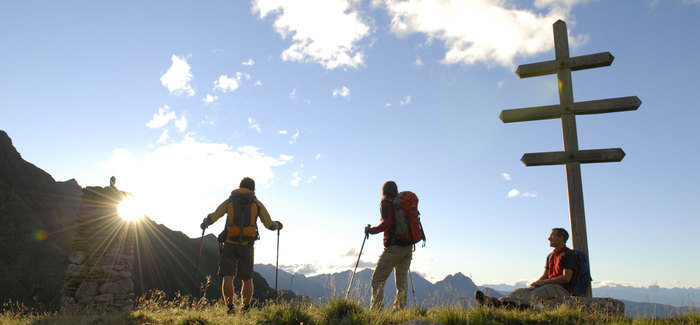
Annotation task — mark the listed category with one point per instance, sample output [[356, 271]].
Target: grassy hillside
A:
[[183, 310]]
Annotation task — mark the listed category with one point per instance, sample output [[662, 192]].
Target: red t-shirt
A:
[[559, 260]]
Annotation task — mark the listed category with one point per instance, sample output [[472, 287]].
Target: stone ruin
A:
[[99, 276]]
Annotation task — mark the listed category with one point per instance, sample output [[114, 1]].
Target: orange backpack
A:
[[407, 226], [242, 214]]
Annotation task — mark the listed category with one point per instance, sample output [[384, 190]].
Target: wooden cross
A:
[[567, 110]]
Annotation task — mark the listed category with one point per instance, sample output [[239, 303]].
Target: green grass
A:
[[155, 309]]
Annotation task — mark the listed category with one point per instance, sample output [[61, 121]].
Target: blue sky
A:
[[323, 101]]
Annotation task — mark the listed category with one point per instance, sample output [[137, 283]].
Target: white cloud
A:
[[318, 156], [204, 172], [254, 124], [418, 63], [295, 178], [490, 31], [258, 83], [499, 85], [286, 158], [311, 179], [177, 78], [161, 118], [512, 193], [598, 284], [282, 132], [226, 83], [163, 137], [181, 124], [406, 100], [207, 121], [294, 138], [342, 92], [293, 94], [516, 193], [210, 99], [249, 62], [326, 32], [506, 176], [387, 105]]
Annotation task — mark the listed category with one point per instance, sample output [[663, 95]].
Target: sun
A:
[[131, 209]]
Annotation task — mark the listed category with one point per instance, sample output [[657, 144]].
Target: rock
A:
[[110, 288], [66, 300], [86, 289], [608, 306], [104, 298], [125, 274], [77, 257], [126, 285]]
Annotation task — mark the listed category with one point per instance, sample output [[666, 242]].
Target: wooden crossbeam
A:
[[581, 108], [590, 61], [581, 156]]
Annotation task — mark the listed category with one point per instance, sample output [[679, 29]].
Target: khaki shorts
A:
[[236, 260]]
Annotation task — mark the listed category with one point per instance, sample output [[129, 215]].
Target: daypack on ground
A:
[[583, 274], [242, 213], [408, 229]]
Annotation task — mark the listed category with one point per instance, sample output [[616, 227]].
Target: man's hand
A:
[[205, 223], [367, 229], [279, 225], [536, 284]]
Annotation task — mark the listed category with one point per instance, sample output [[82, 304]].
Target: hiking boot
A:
[[480, 298], [245, 309], [484, 300], [231, 310]]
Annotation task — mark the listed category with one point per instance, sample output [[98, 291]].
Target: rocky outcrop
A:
[[99, 278], [37, 215], [607, 306]]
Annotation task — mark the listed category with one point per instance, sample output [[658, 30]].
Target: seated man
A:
[[557, 281]]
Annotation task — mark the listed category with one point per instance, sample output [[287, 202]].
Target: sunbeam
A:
[[131, 209]]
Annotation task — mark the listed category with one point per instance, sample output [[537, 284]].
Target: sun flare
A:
[[131, 209]]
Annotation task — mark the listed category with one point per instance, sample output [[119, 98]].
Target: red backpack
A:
[[407, 226]]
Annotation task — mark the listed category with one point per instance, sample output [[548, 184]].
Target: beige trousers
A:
[[396, 258], [526, 296]]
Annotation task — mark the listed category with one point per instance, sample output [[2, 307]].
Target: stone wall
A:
[[99, 276]]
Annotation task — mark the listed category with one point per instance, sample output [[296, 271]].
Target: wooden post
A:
[[577, 214], [567, 110]]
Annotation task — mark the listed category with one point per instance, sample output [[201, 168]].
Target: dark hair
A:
[[248, 183], [389, 190], [561, 232]]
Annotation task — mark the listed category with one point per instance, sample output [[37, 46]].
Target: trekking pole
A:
[[356, 264], [413, 291], [196, 266], [277, 263]]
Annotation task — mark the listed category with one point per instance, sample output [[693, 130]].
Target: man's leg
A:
[[521, 296], [247, 292], [385, 264], [245, 256], [227, 270], [227, 290], [401, 275], [549, 291]]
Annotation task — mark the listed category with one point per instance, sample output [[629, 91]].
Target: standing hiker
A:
[[397, 252], [237, 256]]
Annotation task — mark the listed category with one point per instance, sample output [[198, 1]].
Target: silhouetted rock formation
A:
[[38, 218], [37, 214], [99, 276]]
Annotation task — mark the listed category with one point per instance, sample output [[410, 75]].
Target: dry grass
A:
[[156, 309]]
